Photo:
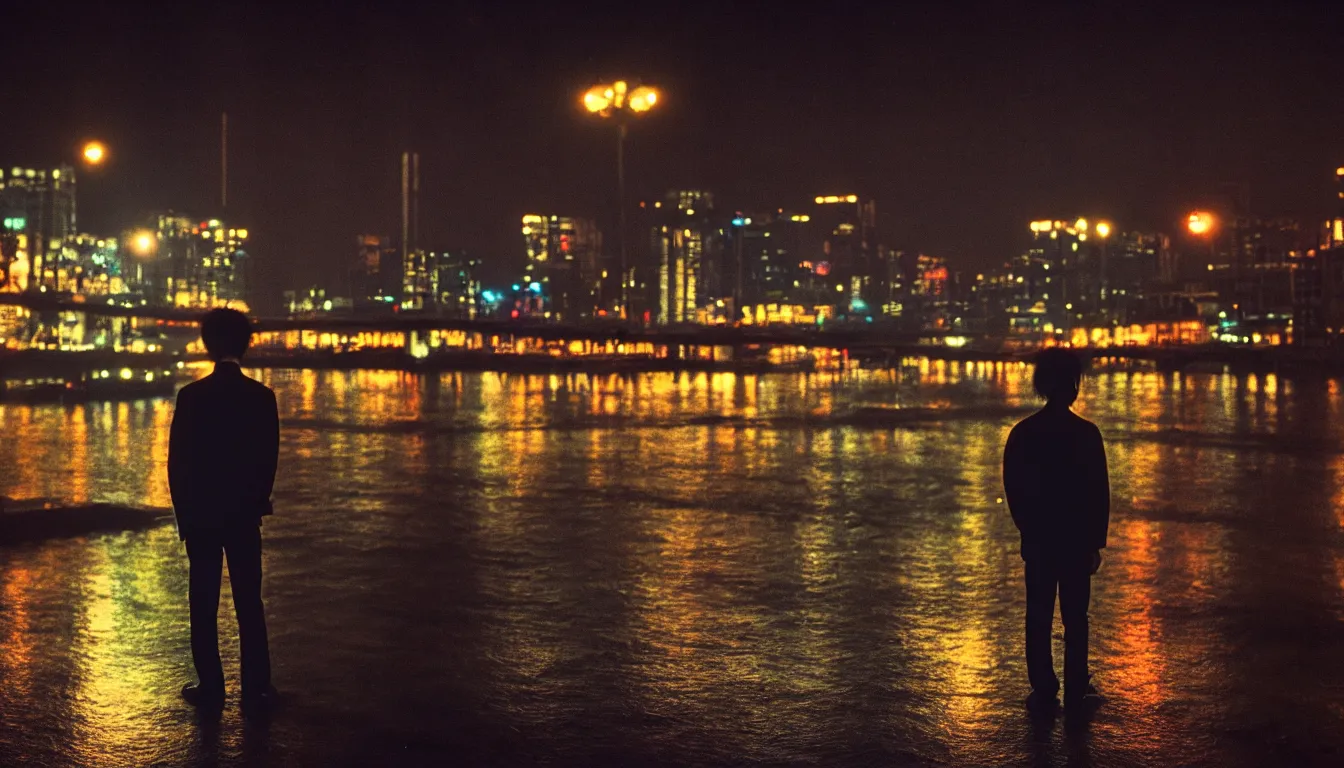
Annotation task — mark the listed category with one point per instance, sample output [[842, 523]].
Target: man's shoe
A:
[[1085, 704], [1042, 703], [201, 696]]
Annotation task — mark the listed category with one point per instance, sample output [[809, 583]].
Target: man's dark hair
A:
[[226, 333], [1057, 374]]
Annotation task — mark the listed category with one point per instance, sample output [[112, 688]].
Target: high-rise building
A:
[[685, 240], [1048, 282], [1318, 297], [376, 275], [97, 267], [40, 204], [457, 286], [931, 291], [1318, 281], [562, 273], [763, 259], [1138, 277], [846, 227], [192, 264], [417, 291], [15, 265], [1251, 265], [1258, 241]]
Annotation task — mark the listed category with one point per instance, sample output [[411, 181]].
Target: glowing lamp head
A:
[[643, 98], [94, 153], [1199, 223], [596, 99], [143, 243], [619, 96], [1103, 230]]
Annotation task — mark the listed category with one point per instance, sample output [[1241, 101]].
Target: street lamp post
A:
[[143, 244], [620, 102], [1103, 230], [1201, 224]]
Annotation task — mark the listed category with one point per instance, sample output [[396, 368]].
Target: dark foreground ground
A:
[[692, 570]]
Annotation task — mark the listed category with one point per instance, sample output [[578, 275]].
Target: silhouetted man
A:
[[222, 455], [1054, 475]]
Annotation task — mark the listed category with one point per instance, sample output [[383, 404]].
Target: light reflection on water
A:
[[695, 568]]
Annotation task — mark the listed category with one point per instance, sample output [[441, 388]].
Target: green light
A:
[[16, 222]]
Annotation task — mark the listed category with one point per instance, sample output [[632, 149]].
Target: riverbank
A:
[[29, 520]]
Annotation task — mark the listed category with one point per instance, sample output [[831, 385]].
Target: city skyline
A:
[[956, 124]]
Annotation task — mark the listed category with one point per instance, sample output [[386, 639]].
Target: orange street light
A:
[[620, 101], [144, 243], [1199, 223], [94, 153], [1103, 229], [609, 99]]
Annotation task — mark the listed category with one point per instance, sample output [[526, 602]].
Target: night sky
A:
[[962, 125]]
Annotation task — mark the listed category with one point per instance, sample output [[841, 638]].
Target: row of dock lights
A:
[[126, 374]]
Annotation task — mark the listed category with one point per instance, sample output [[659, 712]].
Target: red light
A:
[[514, 313], [936, 274], [823, 268]]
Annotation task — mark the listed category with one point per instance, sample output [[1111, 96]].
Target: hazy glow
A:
[[606, 98], [143, 243], [1103, 229], [595, 100], [94, 153], [642, 99], [1199, 223], [837, 199]]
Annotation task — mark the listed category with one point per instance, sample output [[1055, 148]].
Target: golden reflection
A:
[[966, 649], [17, 584], [307, 391], [523, 634], [1135, 665], [156, 492], [78, 426], [115, 690], [742, 581]]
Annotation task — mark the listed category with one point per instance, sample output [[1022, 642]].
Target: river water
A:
[[693, 569]]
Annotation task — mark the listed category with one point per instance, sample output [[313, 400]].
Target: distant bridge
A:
[[727, 336], [872, 343]]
